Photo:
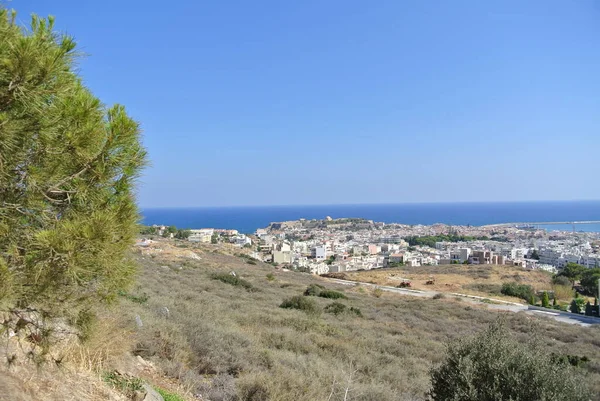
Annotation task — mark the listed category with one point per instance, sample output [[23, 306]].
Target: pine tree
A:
[[68, 165], [532, 300], [574, 308], [554, 301], [589, 309], [545, 300]]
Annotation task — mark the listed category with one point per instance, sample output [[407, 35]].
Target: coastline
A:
[[247, 219]]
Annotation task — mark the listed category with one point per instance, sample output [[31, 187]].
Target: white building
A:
[[460, 255], [201, 235], [319, 253]]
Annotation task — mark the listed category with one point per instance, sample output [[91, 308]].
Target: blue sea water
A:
[[248, 219]]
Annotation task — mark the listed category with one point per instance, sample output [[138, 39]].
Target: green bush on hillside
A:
[[301, 303], [494, 366], [167, 395], [317, 290], [314, 290], [338, 308], [522, 291], [233, 280]]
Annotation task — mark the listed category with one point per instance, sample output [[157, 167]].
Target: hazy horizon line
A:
[[368, 204]]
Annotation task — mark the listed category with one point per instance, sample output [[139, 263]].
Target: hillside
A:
[[221, 339], [180, 328]]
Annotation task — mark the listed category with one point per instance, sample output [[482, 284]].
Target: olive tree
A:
[[68, 166], [493, 366]]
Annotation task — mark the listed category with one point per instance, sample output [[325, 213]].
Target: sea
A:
[[247, 219]]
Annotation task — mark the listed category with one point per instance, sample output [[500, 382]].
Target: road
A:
[[499, 304]]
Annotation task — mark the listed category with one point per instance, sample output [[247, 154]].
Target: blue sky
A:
[[321, 102]]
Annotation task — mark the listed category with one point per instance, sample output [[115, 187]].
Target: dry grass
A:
[[226, 343], [467, 279]]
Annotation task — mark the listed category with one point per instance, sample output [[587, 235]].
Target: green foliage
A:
[[589, 280], [522, 291], [299, 302], [317, 290], [561, 280], [167, 395], [575, 307], [214, 239], [535, 255], [331, 294], [314, 290], [494, 366], [127, 385], [270, 277], [572, 271], [545, 300], [573, 360], [85, 322], [233, 280], [138, 299], [68, 165], [430, 240], [147, 230], [395, 264], [338, 308], [183, 234], [531, 300]]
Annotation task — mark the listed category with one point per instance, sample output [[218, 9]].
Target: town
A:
[[354, 244]]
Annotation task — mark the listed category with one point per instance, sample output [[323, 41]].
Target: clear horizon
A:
[[347, 102]]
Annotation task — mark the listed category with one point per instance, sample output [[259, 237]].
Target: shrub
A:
[[377, 292], [336, 308], [561, 280], [317, 290], [494, 366], [545, 300], [331, 294], [167, 395], [301, 303], [233, 280], [125, 384], [439, 295], [250, 261], [563, 291], [522, 291], [138, 299], [314, 290], [575, 306], [270, 277], [356, 311]]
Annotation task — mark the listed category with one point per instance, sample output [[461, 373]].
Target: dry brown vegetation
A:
[[482, 280], [225, 342], [230, 340]]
